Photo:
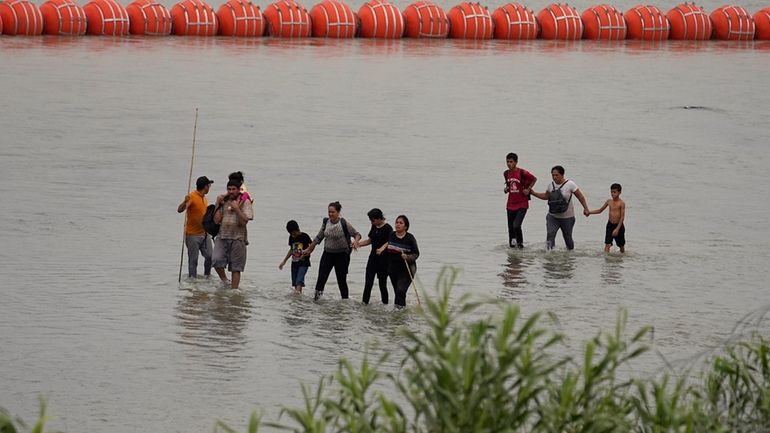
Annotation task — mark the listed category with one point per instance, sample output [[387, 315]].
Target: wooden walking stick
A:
[[411, 277], [189, 185]]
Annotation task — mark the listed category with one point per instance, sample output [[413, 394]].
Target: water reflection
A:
[[559, 265], [612, 271], [513, 275], [213, 320]]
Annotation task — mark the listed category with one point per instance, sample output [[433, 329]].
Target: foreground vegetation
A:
[[504, 374]]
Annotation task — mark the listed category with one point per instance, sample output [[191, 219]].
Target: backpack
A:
[[556, 201], [344, 229], [209, 225]]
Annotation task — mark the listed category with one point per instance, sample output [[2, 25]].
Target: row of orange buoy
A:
[[381, 19]]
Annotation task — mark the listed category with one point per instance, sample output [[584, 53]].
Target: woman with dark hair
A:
[[337, 233], [377, 265], [402, 251]]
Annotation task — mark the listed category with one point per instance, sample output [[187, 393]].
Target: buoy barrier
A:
[[424, 19], [762, 24], [240, 18], [63, 17], [193, 18], [647, 23], [106, 18], [689, 22], [288, 19], [514, 21], [20, 17], [470, 21], [148, 17], [732, 23], [604, 22], [560, 21], [333, 19], [381, 19]]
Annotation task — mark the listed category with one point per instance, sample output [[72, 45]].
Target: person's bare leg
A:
[[236, 279], [623, 249], [222, 274], [607, 248]]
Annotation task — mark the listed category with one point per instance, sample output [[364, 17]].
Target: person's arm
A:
[[620, 221], [412, 257], [382, 248], [288, 254], [318, 238], [365, 242], [540, 195], [506, 190], [600, 210], [356, 235], [182, 206], [579, 194], [529, 187]]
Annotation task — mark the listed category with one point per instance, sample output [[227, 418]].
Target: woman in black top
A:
[[401, 251], [377, 265]]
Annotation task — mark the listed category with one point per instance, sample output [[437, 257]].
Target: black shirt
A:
[[396, 246], [298, 246], [379, 237]]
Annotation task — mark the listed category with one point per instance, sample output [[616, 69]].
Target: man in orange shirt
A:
[[195, 237]]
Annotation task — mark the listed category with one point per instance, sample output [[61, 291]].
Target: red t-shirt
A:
[[516, 180]]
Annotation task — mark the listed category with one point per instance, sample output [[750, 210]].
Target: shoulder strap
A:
[[326, 220], [345, 229]]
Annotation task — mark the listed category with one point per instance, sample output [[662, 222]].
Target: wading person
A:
[[336, 232], [561, 212], [232, 213], [377, 265], [518, 184], [615, 229], [195, 237], [402, 251], [298, 241]]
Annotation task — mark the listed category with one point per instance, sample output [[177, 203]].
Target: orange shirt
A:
[[196, 208]]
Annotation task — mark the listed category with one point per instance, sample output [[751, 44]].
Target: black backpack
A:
[[209, 225], [556, 201], [344, 229]]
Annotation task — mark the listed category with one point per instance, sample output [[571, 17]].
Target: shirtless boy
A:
[[615, 228]]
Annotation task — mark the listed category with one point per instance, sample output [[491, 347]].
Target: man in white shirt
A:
[[561, 213]]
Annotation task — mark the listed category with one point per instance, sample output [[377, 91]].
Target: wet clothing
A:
[[195, 245], [377, 265], [336, 254], [196, 208], [515, 220], [298, 272], [400, 276], [620, 239], [553, 225], [517, 180], [230, 253], [297, 246]]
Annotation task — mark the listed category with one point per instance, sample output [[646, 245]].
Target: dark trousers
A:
[[401, 282], [377, 266], [515, 219], [340, 263], [552, 225]]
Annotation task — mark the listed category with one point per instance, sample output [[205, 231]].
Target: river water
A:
[[95, 147]]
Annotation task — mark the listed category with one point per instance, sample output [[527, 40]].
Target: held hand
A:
[[379, 251], [526, 191], [186, 198], [404, 256], [586, 212], [355, 244]]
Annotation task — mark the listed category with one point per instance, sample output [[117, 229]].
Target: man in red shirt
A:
[[518, 183]]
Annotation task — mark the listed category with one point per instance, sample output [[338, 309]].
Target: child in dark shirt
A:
[[298, 242]]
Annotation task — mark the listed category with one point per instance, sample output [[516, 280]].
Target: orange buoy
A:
[[193, 18], [106, 17], [647, 23], [148, 17], [732, 23], [20, 17], [689, 22], [288, 19], [604, 22], [333, 19], [63, 17], [424, 19], [470, 21], [514, 21], [560, 21], [240, 18], [762, 24], [380, 19]]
